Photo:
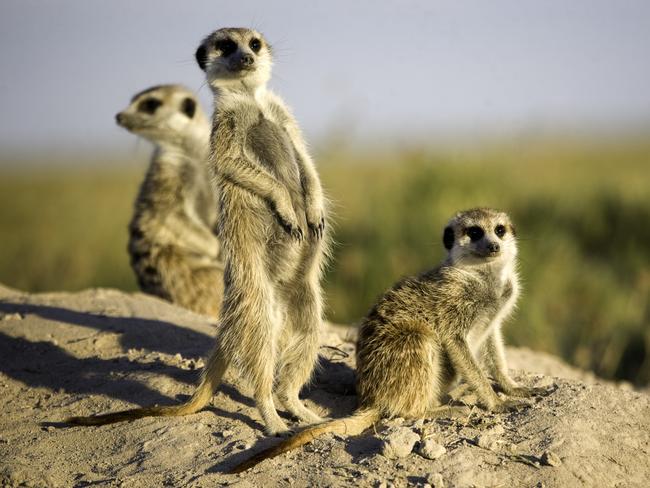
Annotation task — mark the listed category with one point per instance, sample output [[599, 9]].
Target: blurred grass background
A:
[[582, 208]]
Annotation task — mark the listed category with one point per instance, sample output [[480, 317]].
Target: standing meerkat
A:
[[272, 229], [429, 330], [173, 249]]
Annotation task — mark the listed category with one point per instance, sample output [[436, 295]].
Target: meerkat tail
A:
[[355, 424], [201, 397]]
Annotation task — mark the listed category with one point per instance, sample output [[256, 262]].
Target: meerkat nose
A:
[[119, 117], [494, 247], [247, 60]]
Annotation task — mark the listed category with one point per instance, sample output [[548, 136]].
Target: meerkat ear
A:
[[448, 238], [189, 107], [201, 56]]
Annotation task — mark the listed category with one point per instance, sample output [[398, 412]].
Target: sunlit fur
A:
[[430, 329], [174, 251]]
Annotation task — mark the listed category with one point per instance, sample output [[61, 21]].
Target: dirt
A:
[[101, 350]]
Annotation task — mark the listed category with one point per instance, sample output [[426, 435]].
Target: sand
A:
[[100, 350]]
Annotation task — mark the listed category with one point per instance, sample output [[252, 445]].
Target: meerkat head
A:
[[480, 236], [235, 56], [165, 113]]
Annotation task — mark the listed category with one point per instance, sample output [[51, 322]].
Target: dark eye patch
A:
[[448, 238], [255, 44], [226, 46], [201, 56], [149, 105], [188, 107], [474, 233], [500, 230]]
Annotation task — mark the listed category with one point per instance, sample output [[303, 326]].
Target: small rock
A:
[[418, 424], [511, 448], [245, 445], [486, 442], [549, 458], [489, 438], [430, 449], [497, 430], [226, 433], [13, 316], [398, 442], [435, 480], [545, 382]]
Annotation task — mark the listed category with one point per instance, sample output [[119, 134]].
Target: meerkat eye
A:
[[475, 233], [500, 230], [188, 107], [255, 45], [149, 105], [226, 46]]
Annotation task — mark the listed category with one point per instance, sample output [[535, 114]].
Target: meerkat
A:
[[272, 229], [429, 330], [172, 245]]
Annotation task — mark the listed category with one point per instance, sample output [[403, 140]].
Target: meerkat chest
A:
[[503, 297], [273, 148]]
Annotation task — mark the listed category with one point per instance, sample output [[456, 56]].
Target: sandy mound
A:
[[102, 350]]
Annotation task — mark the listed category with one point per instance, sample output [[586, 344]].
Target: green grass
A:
[[582, 211]]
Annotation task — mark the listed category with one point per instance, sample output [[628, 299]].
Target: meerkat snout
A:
[[493, 248], [245, 61]]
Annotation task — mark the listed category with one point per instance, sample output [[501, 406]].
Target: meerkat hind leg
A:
[[300, 355], [249, 332], [263, 391], [274, 424], [299, 361]]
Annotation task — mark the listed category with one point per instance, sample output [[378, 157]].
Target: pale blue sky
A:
[[362, 68]]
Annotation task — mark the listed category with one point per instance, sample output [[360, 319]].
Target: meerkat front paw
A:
[[525, 391], [289, 221], [293, 230], [315, 221], [504, 406]]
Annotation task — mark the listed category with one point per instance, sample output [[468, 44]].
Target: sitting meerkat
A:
[[173, 249], [428, 330]]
